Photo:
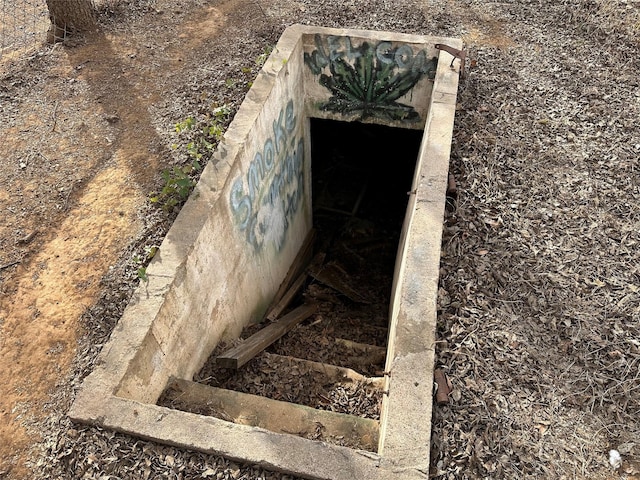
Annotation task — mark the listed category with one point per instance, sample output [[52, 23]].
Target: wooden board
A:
[[334, 373], [273, 415], [334, 276], [364, 354], [286, 299], [241, 354], [298, 265]]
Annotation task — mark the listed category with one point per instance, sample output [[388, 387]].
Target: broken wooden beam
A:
[[241, 354], [334, 276], [361, 347], [333, 373], [364, 354], [287, 298], [298, 265], [274, 415]]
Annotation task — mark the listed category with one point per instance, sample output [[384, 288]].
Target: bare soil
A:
[[539, 327]]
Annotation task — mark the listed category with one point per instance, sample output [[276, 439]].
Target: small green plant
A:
[[142, 274], [202, 137], [150, 251], [177, 186], [186, 124], [141, 261], [264, 55]]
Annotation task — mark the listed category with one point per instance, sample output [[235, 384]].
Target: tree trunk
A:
[[69, 17]]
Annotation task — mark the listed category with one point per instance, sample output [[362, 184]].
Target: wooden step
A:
[[273, 415], [256, 343]]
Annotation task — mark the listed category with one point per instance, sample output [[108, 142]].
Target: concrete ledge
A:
[[285, 453], [273, 415], [232, 244]]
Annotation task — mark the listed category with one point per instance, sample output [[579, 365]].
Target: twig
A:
[[10, 264], [66, 200], [55, 120], [27, 238], [261, 9]]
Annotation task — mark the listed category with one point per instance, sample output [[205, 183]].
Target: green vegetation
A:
[[142, 274], [264, 55], [200, 139], [141, 261]]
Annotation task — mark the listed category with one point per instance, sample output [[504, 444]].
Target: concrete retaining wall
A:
[[243, 231], [370, 77], [232, 244]]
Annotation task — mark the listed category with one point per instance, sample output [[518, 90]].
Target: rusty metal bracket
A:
[[461, 54]]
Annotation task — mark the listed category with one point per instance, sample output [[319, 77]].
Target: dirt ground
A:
[[539, 327]]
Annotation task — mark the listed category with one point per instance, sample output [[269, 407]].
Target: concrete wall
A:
[[371, 77], [405, 421], [233, 242], [255, 221]]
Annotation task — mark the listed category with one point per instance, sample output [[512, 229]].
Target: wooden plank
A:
[[334, 373], [241, 354], [287, 298], [334, 276], [365, 354], [361, 347], [298, 265], [273, 415]]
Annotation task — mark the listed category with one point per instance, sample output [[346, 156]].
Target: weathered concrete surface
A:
[[368, 76], [230, 247], [406, 419], [234, 240], [286, 453], [274, 415]]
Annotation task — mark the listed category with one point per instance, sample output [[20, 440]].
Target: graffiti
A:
[[266, 199], [369, 79]]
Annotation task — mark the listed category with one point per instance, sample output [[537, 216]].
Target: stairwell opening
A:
[[335, 359], [362, 176], [304, 200]]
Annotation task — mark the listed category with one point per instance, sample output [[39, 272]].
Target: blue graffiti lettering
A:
[[279, 133], [384, 53], [335, 49], [265, 202], [352, 53], [240, 204], [255, 175], [404, 57], [269, 155], [290, 124]]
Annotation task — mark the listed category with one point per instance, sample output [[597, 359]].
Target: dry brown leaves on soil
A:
[[540, 287]]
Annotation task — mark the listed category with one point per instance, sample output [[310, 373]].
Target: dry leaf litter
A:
[[540, 278]]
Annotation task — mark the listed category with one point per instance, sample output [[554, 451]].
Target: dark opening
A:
[[362, 174]]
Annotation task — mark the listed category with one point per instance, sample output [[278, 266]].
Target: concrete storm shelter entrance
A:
[[230, 249]]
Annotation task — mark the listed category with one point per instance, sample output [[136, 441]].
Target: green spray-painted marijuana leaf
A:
[[371, 85]]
